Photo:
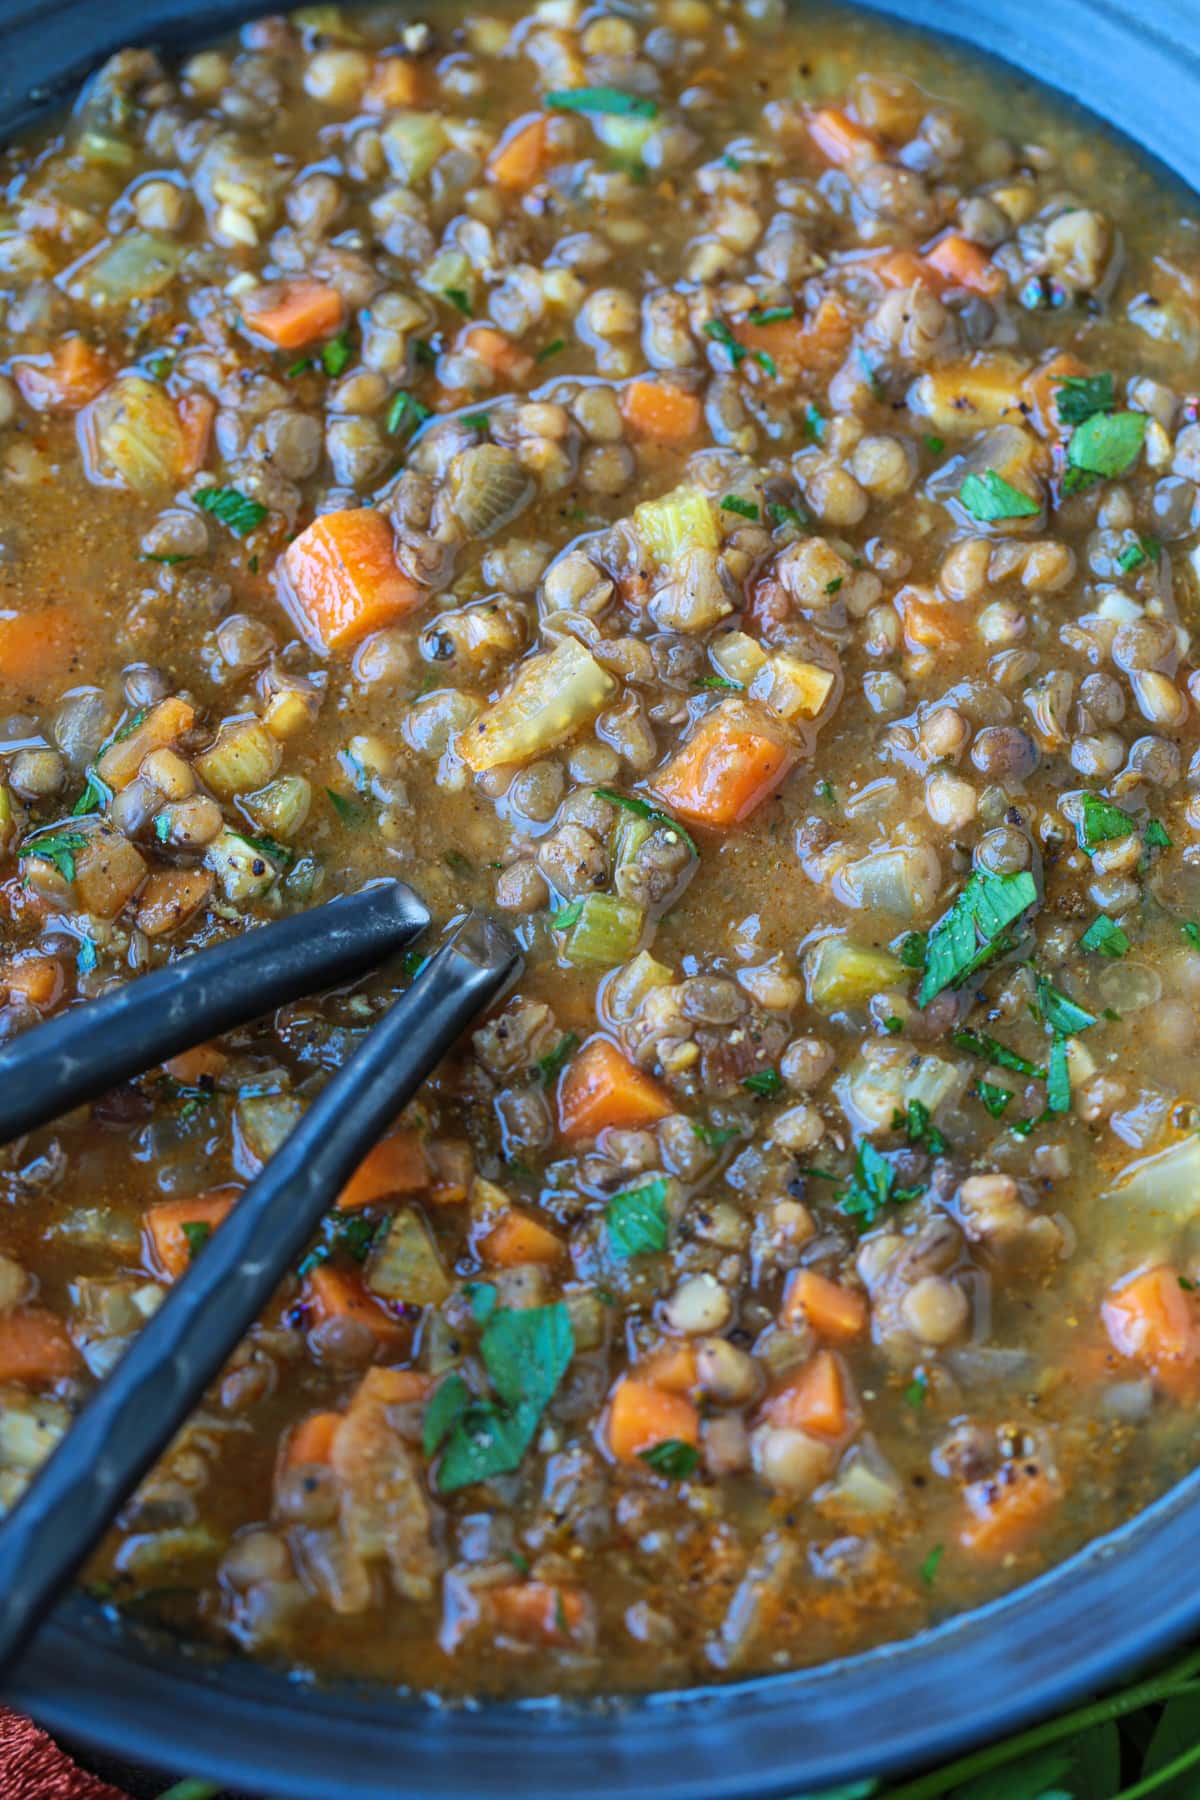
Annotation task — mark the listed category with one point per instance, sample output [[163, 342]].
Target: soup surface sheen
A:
[[721, 489]]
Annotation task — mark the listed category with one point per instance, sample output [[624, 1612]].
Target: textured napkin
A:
[[34, 1768]]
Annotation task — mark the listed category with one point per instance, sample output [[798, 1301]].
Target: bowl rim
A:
[[986, 1673]]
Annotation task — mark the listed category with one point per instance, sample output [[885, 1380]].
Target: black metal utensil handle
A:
[[89, 1049], [142, 1404]]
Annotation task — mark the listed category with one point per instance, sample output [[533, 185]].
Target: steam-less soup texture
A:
[[720, 488]]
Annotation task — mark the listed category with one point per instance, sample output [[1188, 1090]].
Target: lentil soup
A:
[[722, 489]]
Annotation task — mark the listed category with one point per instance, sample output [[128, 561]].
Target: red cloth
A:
[[34, 1768]]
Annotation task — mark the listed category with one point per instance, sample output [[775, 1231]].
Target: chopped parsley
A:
[[85, 956], [1156, 836], [734, 503], [603, 100], [475, 421], [232, 508], [459, 298], [935, 445], [917, 1125], [643, 810], [672, 1458], [347, 810], [551, 349], [929, 1568], [872, 1188], [1191, 932], [1139, 551], [999, 1055], [766, 361], [768, 315], [405, 411], [763, 1081], [566, 916], [815, 421], [58, 848], [831, 587], [1106, 936], [197, 1233], [715, 1136], [825, 792], [337, 354], [1058, 1081], [870, 374], [1105, 445], [989, 497], [155, 556], [1080, 397], [482, 1299], [1101, 822], [917, 1391], [719, 331], [1060, 1012], [719, 681], [637, 1220], [526, 1353], [91, 800], [994, 1098], [914, 948], [550, 1066], [781, 514], [973, 931]]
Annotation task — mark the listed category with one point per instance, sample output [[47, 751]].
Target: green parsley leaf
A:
[[1101, 822], [831, 587], [935, 445], [405, 411], [162, 827], [715, 1136], [913, 950], [483, 1299], [720, 332], [989, 497], [1107, 444], [59, 848], [999, 1055], [721, 682], [1060, 1012], [549, 1066], [917, 1392], [448, 1402], [929, 1568], [815, 421], [786, 515], [1080, 397], [766, 361], [1191, 932], [337, 354], [763, 1081], [1106, 936], [423, 354], [642, 810], [873, 1187], [672, 1458], [267, 846], [129, 727], [347, 810], [170, 561], [602, 100], [637, 1220], [232, 508], [197, 1233], [768, 315], [526, 1353], [870, 374], [1058, 1081], [458, 297], [566, 916], [298, 367], [551, 349], [825, 791], [916, 1123], [91, 800], [893, 1024], [734, 503], [85, 956], [994, 1098], [1155, 836], [970, 934], [474, 421], [1139, 551], [731, 163]]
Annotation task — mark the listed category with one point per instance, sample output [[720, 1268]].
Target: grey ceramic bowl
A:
[[1070, 1633]]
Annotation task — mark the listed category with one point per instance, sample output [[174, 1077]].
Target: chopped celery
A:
[[739, 657], [132, 437], [244, 757], [624, 134], [450, 272], [264, 1122], [551, 697], [407, 1266], [630, 985], [605, 933], [242, 868], [839, 972], [412, 143], [1167, 1183], [631, 834], [131, 268], [793, 689], [886, 1079], [681, 520], [282, 807]]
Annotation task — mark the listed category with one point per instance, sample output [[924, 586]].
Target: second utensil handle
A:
[[89, 1049]]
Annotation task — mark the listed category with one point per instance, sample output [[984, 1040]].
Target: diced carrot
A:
[[520, 1238], [504, 358], [312, 1439], [929, 626], [339, 578], [333, 1294], [164, 1223], [196, 415], [673, 1368], [64, 380], [659, 409], [965, 264], [205, 1061], [35, 1346], [600, 1087], [37, 980], [536, 1612], [904, 269], [1041, 389], [733, 761], [1153, 1320], [452, 1166], [39, 646], [641, 1415], [292, 314], [398, 1387], [109, 870], [840, 139], [798, 346], [170, 898], [1007, 1511], [518, 158], [161, 728], [396, 1165], [817, 1399], [393, 83], [834, 1312]]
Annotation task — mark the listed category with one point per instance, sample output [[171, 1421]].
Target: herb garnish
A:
[[603, 100], [549, 1066], [1106, 936], [719, 330], [815, 421], [643, 810], [1060, 1012], [197, 1232], [566, 916], [768, 315], [994, 1098], [999, 1055], [405, 410], [551, 349], [459, 298], [85, 956], [637, 1220], [91, 800], [347, 810], [1106, 444], [989, 497], [58, 848], [972, 932], [1100, 822], [1079, 397], [1139, 551], [763, 1081], [914, 948], [929, 1568], [672, 1458], [786, 515], [873, 1187], [715, 1136], [734, 503], [1058, 1081], [918, 1127], [337, 354], [233, 508], [526, 1352]]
